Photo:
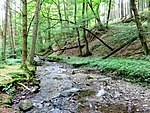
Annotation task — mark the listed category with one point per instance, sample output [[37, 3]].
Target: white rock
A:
[[101, 92]]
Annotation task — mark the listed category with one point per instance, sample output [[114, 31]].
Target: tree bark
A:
[[87, 51], [77, 30], [108, 13], [24, 33], [140, 28], [35, 30], [122, 9], [5, 32], [59, 11], [96, 15], [13, 53]]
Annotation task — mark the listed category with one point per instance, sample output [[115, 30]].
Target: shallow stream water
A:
[[64, 89]]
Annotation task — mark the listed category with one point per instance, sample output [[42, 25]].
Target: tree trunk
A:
[[1, 37], [87, 51], [122, 9], [149, 5], [108, 13], [5, 32], [131, 14], [78, 33], [15, 16], [96, 15], [24, 33], [35, 30], [66, 18], [49, 24], [13, 53], [59, 11], [140, 28]]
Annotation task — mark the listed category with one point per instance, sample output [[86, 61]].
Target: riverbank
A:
[[132, 70]]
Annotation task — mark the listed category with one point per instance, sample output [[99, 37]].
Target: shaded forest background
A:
[[73, 27]]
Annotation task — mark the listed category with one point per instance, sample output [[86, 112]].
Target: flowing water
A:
[[63, 91]]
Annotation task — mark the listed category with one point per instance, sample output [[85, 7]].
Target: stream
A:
[[65, 89]]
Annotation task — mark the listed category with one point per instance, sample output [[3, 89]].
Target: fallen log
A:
[[67, 48], [98, 38], [119, 48]]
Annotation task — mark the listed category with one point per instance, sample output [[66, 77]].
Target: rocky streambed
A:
[[65, 89]]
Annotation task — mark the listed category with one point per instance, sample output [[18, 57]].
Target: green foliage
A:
[[131, 69], [9, 89], [2, 66], [12, 61], [88, 77], [123, 31]]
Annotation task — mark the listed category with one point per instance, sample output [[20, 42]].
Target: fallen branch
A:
[[24, 86], [119, 48], [65, 48], [98, 38]]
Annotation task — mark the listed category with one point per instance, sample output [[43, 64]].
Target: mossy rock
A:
[[85, 93], [25, 105], [57, 78]]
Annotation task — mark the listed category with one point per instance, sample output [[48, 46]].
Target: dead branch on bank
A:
[[122, 46]]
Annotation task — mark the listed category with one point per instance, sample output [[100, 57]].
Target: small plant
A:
[[88, 77], [9, 89]]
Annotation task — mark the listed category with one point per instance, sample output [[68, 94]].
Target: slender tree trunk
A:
[[140, 28], [24, 33], [49, 24], [138, 1], [35, 30], [131, 14], [13, 53], [75, 21], [59, 11], [87, 14], [5, 31], [15, 22], [108, 12], [84, 32], [96, 15], [122, 10], [1, 37], [149, 5], [66, 18]]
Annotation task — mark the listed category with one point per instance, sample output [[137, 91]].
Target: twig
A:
[[24, 86]]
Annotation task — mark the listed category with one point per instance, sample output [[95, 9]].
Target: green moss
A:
[[84, 93], [58, 78], [2, 67], [88, 77]]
